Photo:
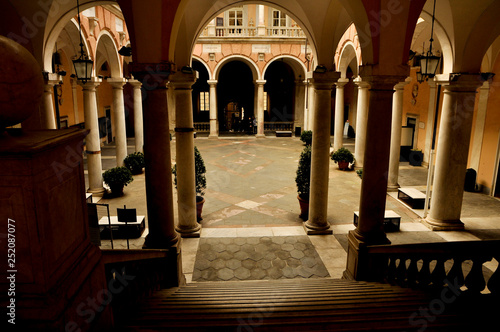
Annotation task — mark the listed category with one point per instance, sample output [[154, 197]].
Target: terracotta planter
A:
[[199, 207], [304, 208], [116, 190], [344, 165]]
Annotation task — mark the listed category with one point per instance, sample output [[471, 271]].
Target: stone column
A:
[[74, 92], [299, 110], [339, 114], [187, 224], [452, 152], [158, 175], [477, 141], [320, 154], [312, 100], [361, 121], [397, 119], [431, 113], [214, 130], [261, 28], [47, 106], [171, 108], [92, 141], [370, 230], [260, 108], [119, 116], [138, 122]]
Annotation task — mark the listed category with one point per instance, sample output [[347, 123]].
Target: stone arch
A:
[[55, 24], [106, 50], [297, 65], [347, 55], [200, 60], [253, 66]]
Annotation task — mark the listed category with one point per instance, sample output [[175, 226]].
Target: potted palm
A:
[[302, 180], [306, 137], [116, 178], [134, 162], [201, 181], [343, 157]]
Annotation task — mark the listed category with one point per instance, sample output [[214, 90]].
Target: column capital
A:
[[342, 82], [152, 75], [212, 82], [362, 84], [92, 84], [383, 78], [324, 81], [52, 78], [461, 82], [135, 83], [180, 80], [401, 85], [260, 82], [116, 82]]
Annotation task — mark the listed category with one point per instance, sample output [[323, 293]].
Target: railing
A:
[[436, 265], [135, 274], [249, 32], [202, 126], [273, 126]]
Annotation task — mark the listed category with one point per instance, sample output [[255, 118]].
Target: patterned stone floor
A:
[[256, 258]]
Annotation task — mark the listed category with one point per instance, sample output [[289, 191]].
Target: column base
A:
[[315, 230], [216, 136], [450, 225], [393, 187], [97, 192], [159, 243], [189, 233], [260, 136]]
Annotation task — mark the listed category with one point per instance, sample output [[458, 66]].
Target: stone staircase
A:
[[294, 305]]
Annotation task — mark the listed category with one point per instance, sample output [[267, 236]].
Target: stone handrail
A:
[[436, 265]]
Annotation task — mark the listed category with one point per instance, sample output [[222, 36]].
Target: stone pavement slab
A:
[[257, 258]]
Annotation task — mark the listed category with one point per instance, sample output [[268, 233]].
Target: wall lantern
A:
[[83, 65]]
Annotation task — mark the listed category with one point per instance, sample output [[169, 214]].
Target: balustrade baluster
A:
[[456, 275], [439, 274], [424, 275], [391, 270], [412, 272], [401, 272], [475, 279], [494, 282]]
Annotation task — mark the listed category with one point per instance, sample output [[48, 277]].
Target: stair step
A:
[[291, 305]]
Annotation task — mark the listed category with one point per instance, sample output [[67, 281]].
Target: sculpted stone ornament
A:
[[21, 83]]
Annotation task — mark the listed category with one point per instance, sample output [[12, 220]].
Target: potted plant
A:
[[343, 157], [117, 178], [201, 181], [302, 180], [416, 156], [306, 137], [134, 162]]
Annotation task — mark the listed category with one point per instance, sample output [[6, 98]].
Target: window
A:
[[279, 20], [235, 17], [204, 101]]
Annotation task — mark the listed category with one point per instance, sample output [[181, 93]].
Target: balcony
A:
[[251, 32]]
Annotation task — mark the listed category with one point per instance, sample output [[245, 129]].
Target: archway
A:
[[235, 95], [280, 86], [201, 90]]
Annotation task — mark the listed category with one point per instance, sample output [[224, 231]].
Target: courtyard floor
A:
[[251, 227]]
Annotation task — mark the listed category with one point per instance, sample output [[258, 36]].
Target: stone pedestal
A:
[[43, 208]]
